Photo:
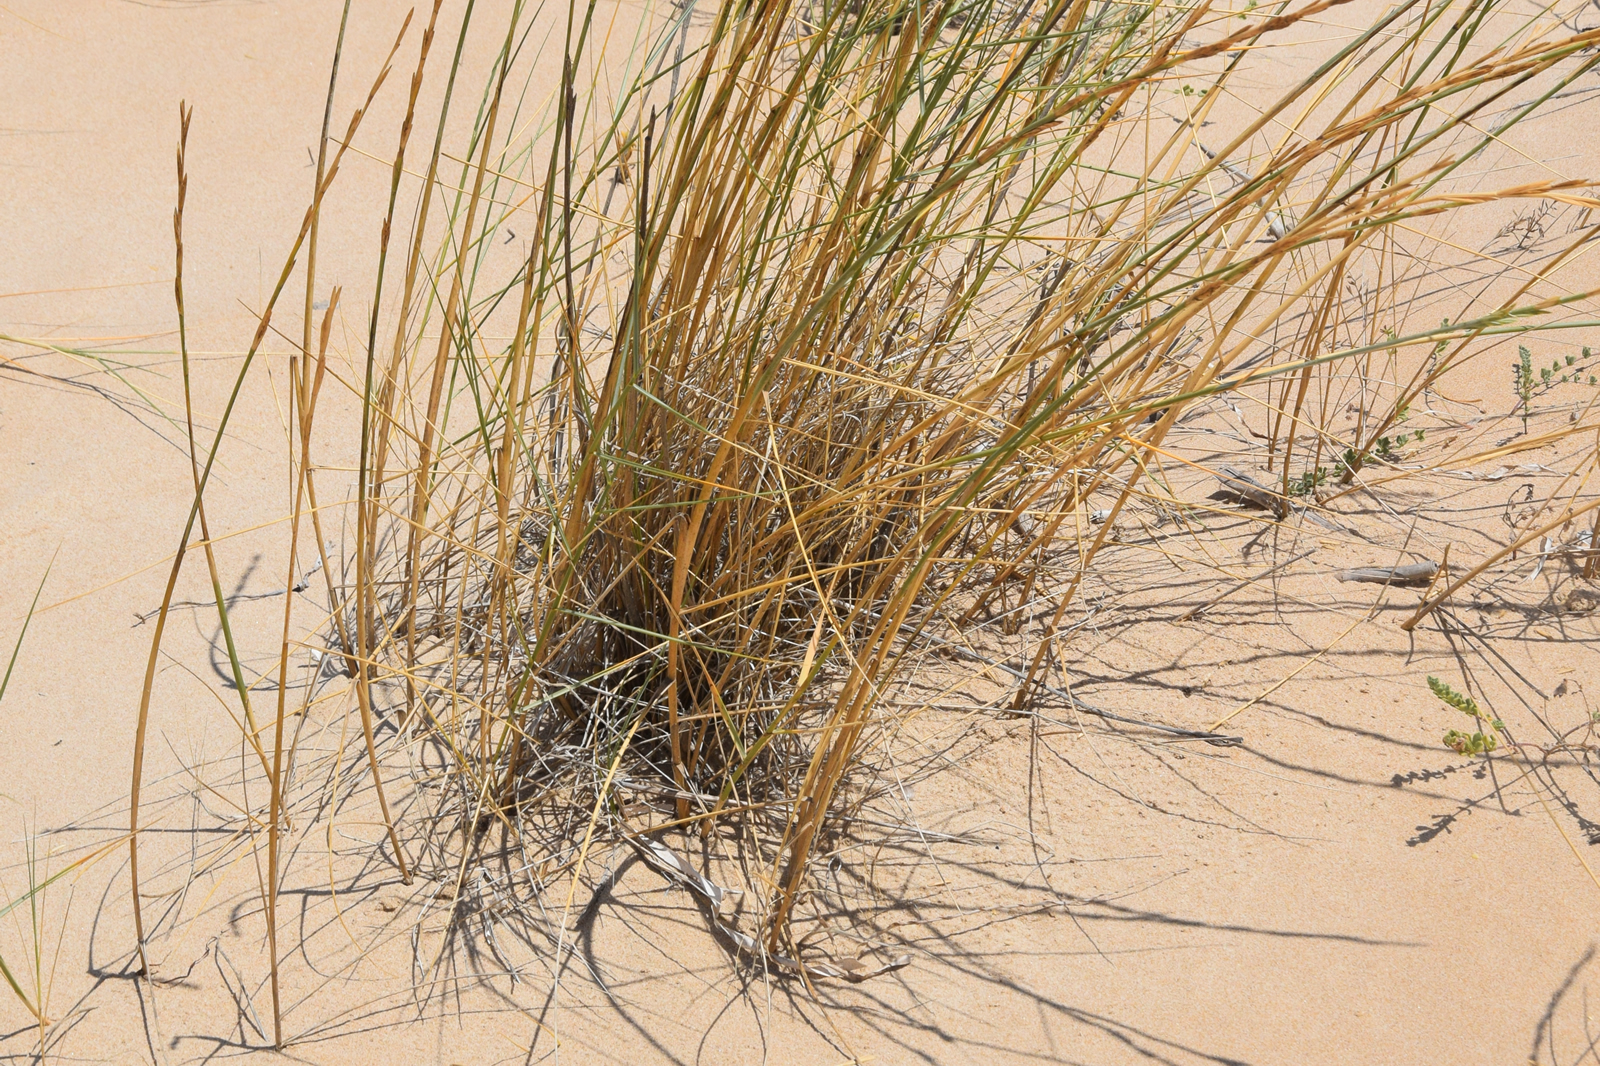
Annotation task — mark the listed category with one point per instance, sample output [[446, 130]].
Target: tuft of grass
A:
[[821, 334], [33, 1004], [32, 988]]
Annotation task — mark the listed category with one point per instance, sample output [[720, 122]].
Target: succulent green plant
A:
[[1462, 743]]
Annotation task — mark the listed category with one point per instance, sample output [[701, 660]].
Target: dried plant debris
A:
[[1248, 490], [1411, 574], [675, 868]]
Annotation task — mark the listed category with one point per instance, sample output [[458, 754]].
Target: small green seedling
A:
[[1385, 449], [1477, 742], [1522, 381], [1569, 369], [1308, 482]]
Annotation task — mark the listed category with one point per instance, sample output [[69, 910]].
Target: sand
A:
[[1339, 889]]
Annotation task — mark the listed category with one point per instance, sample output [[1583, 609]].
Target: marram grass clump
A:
[[828, 325]]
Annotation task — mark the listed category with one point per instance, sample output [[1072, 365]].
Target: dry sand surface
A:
[[1338, 889]]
